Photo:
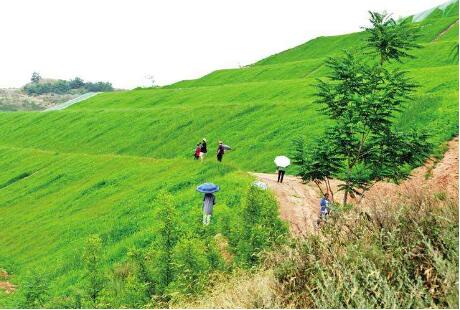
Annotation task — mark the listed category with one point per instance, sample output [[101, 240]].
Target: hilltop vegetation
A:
[[87, 192], [40, 93], [39, 86]]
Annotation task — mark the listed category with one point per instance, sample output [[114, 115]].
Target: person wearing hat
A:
[[220, 151], [204, 149]]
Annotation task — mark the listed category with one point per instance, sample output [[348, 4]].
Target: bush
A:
[[390, 257], [191, 267], [34, 290], [261, 226], [93, 277], [65, 87]]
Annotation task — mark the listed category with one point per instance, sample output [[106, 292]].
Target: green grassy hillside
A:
[[51, 202], [97, 166]]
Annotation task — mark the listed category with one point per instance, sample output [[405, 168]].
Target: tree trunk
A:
[[329, 189], [320, 189], [345, 196]]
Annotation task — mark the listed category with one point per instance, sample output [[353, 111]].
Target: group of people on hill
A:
[[209, 199], [201, 150]]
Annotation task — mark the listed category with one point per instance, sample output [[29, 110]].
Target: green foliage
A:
[[260, 226], [167, 235], [93, 278], [95, 167], [362, 98], [76, 83], [35, 77], [65, 87], [391, 39], [393, 257], [191, 267], [35, 290]]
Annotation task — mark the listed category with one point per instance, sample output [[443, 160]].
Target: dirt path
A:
[[299, 203]]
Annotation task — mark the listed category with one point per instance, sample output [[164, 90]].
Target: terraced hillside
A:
[[97, 166]]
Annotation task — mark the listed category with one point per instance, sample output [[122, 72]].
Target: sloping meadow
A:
[[100, 166]]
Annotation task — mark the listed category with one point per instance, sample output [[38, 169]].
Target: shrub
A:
[[191, 267], [34, 290], [402, 256], [93, 276], [261, 226]]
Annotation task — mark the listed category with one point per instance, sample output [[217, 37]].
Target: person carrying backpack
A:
[[220, 151]]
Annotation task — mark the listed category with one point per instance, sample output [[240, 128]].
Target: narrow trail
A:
[[299, 202]]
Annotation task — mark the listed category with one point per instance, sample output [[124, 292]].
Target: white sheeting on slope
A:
[[421, 16]]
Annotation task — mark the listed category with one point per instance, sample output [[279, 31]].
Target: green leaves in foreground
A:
[[391, 39], [362, 146], [396, 256]]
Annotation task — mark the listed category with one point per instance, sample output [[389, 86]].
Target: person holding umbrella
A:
[[209, 200], [281, 162]]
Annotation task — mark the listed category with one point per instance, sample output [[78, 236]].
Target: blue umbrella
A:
[[208, 188]]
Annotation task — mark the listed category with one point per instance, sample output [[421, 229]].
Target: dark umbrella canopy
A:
[[208, 188]]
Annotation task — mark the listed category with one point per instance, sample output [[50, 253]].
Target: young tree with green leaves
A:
[[94, 278], [35, 290], [168, 233], [389, 38], [361, 98], [35, 77], [191, 266]]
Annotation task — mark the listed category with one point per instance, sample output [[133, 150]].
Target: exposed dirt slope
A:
[[299, 203]]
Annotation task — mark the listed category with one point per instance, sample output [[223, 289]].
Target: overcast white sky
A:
[[124, 41]]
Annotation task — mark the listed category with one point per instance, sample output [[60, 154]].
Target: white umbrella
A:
[[282, 161]]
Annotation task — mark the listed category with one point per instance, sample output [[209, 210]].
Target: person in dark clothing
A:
[[281, 172], [220, 151], [204, 149]]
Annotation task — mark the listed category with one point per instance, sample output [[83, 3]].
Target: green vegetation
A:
[[361, 148], [98, 202], [38, 86], [396, 256]]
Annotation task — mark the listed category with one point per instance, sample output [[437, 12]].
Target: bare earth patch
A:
[[299, 202], [5, 285]]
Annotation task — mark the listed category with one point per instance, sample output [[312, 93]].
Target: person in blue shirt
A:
[[324, 207]]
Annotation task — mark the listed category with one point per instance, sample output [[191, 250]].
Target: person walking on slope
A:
[[281, 172], [197, 151], [209, 201], [324, 208], [220, 151], [203, 149]]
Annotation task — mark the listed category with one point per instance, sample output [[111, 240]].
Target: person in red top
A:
[[220, 151], [198, 151]]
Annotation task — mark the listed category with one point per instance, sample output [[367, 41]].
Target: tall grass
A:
[[391, 256]]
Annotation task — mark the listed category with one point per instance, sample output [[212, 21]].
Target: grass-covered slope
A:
[[257, 109], [50, 203], [97, 166]]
